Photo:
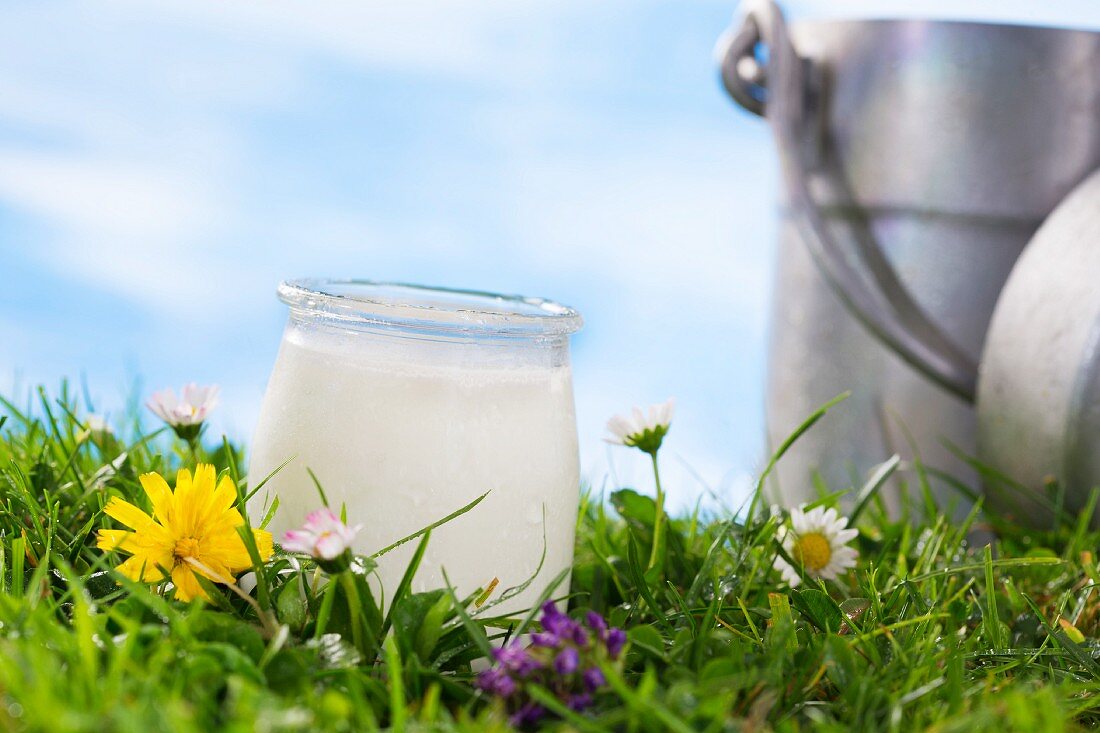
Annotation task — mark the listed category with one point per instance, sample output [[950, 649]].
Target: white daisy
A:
[[185, 414], [644, 430], [817, 540], [97, 427]]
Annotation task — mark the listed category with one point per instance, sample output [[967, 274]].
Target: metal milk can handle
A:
[[762, 71]]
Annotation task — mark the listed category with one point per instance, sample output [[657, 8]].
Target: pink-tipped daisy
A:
[[324, 538], [187, 413]]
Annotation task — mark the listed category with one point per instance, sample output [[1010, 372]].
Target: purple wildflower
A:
[[529, 714], [544, 639], [555, 622], [565, 658], [597, 624], [616, 640], [567, 661], [578, 636], [594, 679], [579, 702], [558, 628], [516, 659], [496, 681]]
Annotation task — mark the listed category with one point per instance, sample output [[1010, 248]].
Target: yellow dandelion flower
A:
[[193, 530]]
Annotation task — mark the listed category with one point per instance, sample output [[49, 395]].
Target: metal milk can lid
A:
[[1084, 14]]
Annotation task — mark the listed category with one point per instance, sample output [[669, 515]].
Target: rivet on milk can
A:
[[918, 157]]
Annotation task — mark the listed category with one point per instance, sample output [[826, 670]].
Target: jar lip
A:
[[447, 311]]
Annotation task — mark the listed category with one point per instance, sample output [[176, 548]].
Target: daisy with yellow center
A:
[[193, 530], [817, 541]]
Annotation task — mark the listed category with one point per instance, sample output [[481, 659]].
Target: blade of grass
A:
[[395, 676], [270, 476], [640, 584], [18, 557], [328, 598], [543, 597], [476, 632], [509, 593], [879, 476], [992, 619], [1068, 646], [317, 485], [549, 701], [791, 440], [270, 513], [406, 581], [453, 515], [1008, 562], [645, 704]]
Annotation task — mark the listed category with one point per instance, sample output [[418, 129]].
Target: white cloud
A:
[[140, 157], [658, 228], [472, 38], [102, 195], [153, 159], [126, 229]]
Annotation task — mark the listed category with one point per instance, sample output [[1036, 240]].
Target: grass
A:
[[931, 631]]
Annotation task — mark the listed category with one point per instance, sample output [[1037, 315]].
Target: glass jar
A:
[[407, 403]]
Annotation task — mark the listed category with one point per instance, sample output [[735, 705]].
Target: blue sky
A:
[[163, 166]]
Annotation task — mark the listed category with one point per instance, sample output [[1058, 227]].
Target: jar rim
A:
[[422, 308]]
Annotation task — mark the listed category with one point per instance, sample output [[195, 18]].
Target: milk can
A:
[[918, 159]]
